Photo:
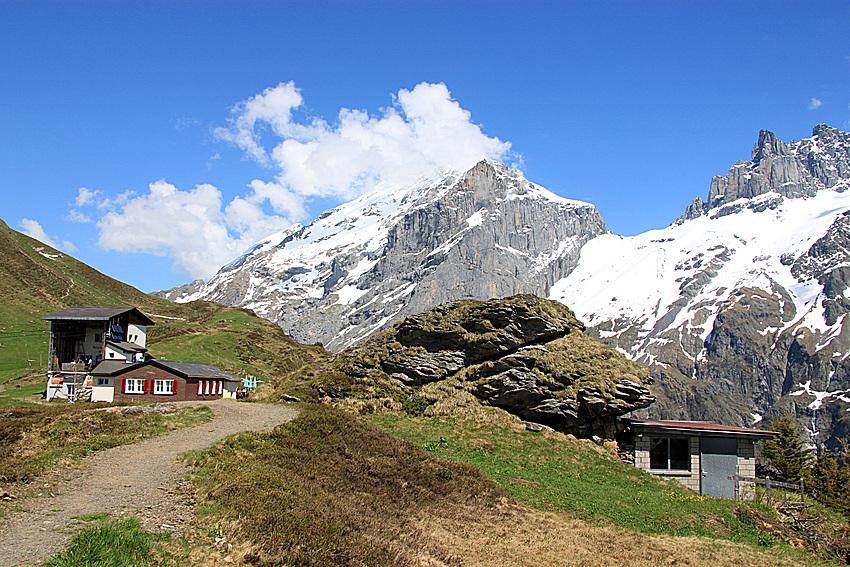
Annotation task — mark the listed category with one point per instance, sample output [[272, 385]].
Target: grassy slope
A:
[[36, 280], [556, 473], [328, 489], [236, 341], [36, 439]]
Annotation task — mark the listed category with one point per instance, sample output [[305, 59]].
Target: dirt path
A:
[[141, 479]]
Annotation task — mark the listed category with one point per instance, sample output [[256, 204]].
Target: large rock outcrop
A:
[[524, 354]]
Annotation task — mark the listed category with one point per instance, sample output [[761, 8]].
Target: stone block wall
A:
[[746, 468]]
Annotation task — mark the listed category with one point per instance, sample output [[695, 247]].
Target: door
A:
[[719, 461]]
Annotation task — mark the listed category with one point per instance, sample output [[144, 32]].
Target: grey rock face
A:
[[179, 292], [486, 233]]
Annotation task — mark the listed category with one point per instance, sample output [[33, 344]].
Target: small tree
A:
[[788, 458], [831, 481]]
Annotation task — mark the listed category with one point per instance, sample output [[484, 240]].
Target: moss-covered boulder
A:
[[524, 354]]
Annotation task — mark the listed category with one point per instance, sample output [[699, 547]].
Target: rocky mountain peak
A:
[[485, 233], [740, 308], [779, 170], [768, 146]]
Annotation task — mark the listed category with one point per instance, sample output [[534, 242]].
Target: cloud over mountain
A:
[[424, 131]]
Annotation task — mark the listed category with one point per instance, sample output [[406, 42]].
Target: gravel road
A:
[[141, 479]]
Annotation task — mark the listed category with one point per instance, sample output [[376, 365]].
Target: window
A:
[[98, 337], [163, 387], [103, 382], [134, 386], [670, 453]]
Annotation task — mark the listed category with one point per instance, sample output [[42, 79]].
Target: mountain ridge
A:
[[397, 252], [738, 307]]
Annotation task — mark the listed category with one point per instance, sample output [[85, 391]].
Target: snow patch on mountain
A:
[[642, 277]]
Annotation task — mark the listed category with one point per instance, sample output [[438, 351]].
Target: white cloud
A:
[[814, 103], [33, 229], [424, 131], [87, 196], [68, 246], [76, 216], [187, 226]]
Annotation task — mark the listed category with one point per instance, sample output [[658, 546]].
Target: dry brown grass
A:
[[517, 536]]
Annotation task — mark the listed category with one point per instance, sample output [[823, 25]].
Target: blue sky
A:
[[165, 112]]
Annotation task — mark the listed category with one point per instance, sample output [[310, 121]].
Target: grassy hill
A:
[[331, 489], [36, 279]]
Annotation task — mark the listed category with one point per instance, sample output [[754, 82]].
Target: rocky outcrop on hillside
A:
[[484, 233], [524, 354], [180, 292]]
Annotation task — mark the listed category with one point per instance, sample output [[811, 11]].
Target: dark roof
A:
[[113, 367], [196, 370], [701, 428], [127, 346], [96, 314], [185, 369]]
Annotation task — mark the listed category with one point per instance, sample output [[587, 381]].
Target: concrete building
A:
[[701, 456]]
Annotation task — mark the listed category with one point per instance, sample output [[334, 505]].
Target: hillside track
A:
[[143, 479]]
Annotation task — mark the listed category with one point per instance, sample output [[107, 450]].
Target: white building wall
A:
[[103, 390], [137, 334], [92, 346], [113, 353], [230, 390]]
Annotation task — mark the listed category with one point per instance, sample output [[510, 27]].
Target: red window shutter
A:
[[147, 386], [124, 385]]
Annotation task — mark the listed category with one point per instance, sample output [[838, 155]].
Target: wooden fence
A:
[[768, 484]]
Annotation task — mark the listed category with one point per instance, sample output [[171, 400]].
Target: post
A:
[[802, 490], [767, 486]]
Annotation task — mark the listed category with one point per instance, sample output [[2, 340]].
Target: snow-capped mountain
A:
[[738, 308], [398, 251]]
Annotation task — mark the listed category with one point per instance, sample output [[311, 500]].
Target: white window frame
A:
[[163, 387], [134, 386]]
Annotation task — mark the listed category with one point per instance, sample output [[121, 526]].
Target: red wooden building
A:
[[161, 380]]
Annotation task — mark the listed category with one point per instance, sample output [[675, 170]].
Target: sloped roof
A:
[[700, 428], [113, 367], [185, 369], [96, 314], [196, 369]]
